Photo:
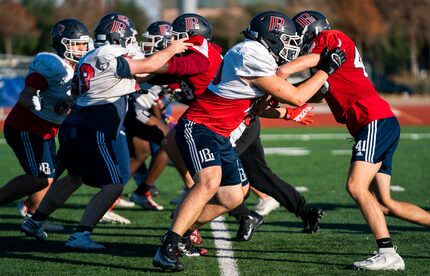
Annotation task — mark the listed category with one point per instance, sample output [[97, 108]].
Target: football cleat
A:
[[384, 259], [48, 226], [247, 226], [113, 217], [34, 228], [22, 208], [196, 238], [312, 220], [166, 258], [266, 205], [120, 202], [187, 249], [146, 201], [82, 240]]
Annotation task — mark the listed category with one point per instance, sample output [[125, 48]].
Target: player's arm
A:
[[299, 64], [281, 89], [30, 97], [157, 60]]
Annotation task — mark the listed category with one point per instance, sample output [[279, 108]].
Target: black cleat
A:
[[247, 226], [166, 258], [312, 220], [154, 190], [187, 249]]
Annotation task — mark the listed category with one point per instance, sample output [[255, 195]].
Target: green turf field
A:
[[278, 248]]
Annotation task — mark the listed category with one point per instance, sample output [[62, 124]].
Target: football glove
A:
[[37, 101], [331, 60], [300, 114]]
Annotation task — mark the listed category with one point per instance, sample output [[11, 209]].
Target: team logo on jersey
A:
[[118, 27], [164, 28], [277, 23], [206, 155], [305, 19], [191, 23]]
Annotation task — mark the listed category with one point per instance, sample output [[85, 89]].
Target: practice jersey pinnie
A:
[[229, 98], [102, 81], [351, 96], [58, 75]]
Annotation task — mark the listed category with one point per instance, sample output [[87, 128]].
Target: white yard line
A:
[[224, 250]]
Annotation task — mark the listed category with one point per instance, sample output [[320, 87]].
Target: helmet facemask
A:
[[292, 47], [76, 54]]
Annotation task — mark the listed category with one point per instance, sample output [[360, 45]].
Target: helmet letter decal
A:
[[191, 23], [118, 27], [277, 23], [305, 19], [124, 18], [164, 28], [60, 29]]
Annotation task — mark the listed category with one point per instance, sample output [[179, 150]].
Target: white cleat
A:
[[82, 240], [146, 201], [34, 228], [385, 259], [112, 217], [266, 205], [22, 208], [124, 203]]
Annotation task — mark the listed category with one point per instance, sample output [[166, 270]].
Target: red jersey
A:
[[351, 96], [196, 68]]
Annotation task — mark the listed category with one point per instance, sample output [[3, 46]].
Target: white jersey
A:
[[103, 85], [58, 73], [232, 97], [246, 59]]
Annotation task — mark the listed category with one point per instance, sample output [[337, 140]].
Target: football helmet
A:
[[114, 31], [309, 24], [190, 24], [156, 37], [124, 18], [275, 31], [68, 33]]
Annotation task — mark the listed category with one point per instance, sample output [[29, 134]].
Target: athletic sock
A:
[[39, 216], [142, 189], [384, 243], [83, 228], [172, 237]]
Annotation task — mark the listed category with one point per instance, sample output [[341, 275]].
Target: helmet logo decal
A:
[[164, 28], [305, 19], [124, 18], [60, 29], [191, 23], [118, 27], [277, 23]]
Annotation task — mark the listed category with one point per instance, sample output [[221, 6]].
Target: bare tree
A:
[[23, 23]]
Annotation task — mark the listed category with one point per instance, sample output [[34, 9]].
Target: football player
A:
[[33, 123], [354, 101], [248, 72], [104, 77]]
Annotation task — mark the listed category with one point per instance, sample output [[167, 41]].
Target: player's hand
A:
[[331, 60], [37, 101], [146, 101], [179, 46], [300, 114]]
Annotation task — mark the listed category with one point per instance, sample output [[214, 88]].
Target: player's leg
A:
[[399, 209], [34, 155], [372, 153]]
